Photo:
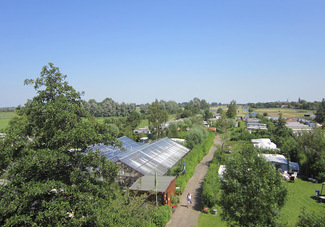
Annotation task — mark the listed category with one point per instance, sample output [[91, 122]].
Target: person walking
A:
[[189, 200]]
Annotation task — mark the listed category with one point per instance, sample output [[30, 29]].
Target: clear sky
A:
[[138, 51]]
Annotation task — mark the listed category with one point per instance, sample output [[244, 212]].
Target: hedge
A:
[[192, 158], [162, 215], [211, 184]]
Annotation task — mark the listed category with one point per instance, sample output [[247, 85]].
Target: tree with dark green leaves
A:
[[133, 119], [207, 114], [173, 130], [320, 113], [53, 178], [252, 191], [223, 126], [312, 151], [157, 118], [232, 109], [220, 111]]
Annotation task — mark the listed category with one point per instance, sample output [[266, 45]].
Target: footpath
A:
[[187, 217]]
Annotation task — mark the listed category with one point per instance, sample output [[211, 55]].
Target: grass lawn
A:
[[143, 123], [5, 118], [301, 194]]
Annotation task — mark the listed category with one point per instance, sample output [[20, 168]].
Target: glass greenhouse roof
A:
[[158, 156], [111, 152]]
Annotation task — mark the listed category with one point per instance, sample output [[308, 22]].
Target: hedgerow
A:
[[211, 184], [192, 158]]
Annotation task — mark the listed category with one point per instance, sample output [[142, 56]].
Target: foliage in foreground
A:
[[252, 191], [53, 179]]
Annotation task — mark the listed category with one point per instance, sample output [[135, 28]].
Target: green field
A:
[[5, 118], [287, 113], [301, 194]]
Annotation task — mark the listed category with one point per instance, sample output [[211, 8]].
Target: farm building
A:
[[140, 160], [165, 187]]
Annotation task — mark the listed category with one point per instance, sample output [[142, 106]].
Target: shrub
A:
[[162, 215], [196, 136], [211, 185], [309, 219], [174, 199]]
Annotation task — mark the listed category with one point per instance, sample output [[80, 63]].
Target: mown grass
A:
[[5, 118], [301, 194]]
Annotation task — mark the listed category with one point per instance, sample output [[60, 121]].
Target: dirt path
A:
[[186, 217]]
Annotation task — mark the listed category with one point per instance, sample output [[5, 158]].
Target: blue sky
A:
[[139, 51]]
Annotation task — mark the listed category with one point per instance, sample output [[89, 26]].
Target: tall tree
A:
[[312, 147], [53, 179], [232, 109], [172, 130], [223, 127], [157, 118], [252, 190], [207, 114], [133, 119], [320, 113]]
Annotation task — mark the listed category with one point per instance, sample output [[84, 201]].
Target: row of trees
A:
[[300, 104], [109, 108], [7, 109], [171, 107]]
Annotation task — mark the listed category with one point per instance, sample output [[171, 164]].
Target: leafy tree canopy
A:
[[312, 147], [252, 190], [232, 109], [157, 118], [53, 179], [320, 113]]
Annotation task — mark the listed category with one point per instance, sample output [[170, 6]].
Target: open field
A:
[[301, 194], [5, 118], [286, 113]]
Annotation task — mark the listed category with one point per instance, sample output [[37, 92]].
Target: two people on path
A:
[[189, 200]]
